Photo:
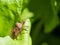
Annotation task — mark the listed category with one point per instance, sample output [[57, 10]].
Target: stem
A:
[[24, 37]]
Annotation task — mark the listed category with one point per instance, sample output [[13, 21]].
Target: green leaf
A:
[[51, 21], [10, 11]]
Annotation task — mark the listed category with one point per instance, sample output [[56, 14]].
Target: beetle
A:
[[17, 29]]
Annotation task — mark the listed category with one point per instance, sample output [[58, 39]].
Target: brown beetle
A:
[[17, 29]]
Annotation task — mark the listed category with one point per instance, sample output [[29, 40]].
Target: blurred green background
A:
[[45, 28], [46, 22]]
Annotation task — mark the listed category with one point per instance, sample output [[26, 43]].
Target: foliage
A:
[[10, 13], [45, 21]]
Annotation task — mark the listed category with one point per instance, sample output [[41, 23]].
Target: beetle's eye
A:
[[13, 32]]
